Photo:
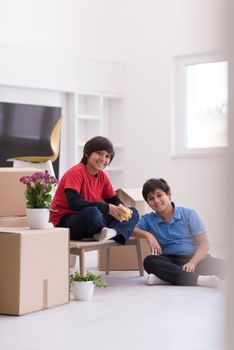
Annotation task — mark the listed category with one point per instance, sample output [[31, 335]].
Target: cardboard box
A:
[[124, 257], [13, 201], [132, 197], [34, 269], [13, 221]]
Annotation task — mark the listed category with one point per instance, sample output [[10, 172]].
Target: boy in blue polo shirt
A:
[[178, 240]]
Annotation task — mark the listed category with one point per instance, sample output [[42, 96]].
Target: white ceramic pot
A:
[[38, 218], [83, 290]]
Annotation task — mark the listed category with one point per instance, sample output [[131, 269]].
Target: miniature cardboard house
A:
[[131, 197]]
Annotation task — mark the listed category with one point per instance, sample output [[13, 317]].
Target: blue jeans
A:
[[89, 221]]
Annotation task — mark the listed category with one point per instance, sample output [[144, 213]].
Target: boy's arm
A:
[[150, 239], [199, 255]]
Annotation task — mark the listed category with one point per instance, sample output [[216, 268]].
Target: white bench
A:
[[79, 248]]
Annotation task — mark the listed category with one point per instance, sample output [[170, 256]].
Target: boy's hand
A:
[[189, 267], [120, 213], [153, 244], [127, 214]]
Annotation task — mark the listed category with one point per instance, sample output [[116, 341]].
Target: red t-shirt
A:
[[91, 188]]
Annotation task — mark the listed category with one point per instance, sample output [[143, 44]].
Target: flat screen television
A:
[[25, 130]]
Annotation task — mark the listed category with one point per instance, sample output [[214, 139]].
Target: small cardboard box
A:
[[34, 269], [13, 201], [124, 257]]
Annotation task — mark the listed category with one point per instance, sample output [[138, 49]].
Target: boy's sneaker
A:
[[153, 280]]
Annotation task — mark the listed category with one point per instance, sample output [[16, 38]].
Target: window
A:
[[200, 124]]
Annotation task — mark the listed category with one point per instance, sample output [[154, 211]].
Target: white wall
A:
[[157, 31], [146, 34], [89, 28]]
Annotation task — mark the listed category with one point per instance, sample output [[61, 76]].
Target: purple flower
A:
[[38, 189]]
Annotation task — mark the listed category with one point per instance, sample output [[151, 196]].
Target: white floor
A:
[[126, 315]]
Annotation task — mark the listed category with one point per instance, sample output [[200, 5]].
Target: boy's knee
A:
[[135, 213], [91, 211], [91, 215]]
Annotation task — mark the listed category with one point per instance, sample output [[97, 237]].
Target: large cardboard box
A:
[[34, 269], [13, 201], [124, 257]]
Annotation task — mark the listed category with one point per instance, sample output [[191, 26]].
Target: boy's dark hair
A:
[[97, 143], [152, 184]]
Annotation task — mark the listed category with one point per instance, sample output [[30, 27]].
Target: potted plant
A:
[[82, 286], [38, 196]]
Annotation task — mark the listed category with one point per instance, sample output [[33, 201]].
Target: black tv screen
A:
[[25, 130]]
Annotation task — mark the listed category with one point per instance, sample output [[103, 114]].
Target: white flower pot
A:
[[38, 218], [83, 290]]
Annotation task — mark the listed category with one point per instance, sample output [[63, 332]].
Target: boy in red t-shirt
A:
[[85, 201]]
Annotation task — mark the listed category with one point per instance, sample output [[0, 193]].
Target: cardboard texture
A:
[[34, 269], [13, 202], [124, 257], [132, 197], [13, 221]]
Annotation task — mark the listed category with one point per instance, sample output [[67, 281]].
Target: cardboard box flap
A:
[[132, 197], [134, 194], [13, 221], [32, 232]]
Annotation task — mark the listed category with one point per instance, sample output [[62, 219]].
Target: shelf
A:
[[89, 116], [89, 105], [101, 114], [88, 128]]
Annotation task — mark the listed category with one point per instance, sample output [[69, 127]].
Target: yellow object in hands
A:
[[126, 216]]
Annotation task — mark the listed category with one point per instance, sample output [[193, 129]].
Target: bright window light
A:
[[200, 99], [207, 105]]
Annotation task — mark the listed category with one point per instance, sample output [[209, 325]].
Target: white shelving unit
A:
[[100, 114], [88, 119]]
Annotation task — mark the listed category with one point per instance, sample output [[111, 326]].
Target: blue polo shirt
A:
[[177, 236]]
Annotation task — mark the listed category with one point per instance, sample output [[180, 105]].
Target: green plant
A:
[[38, 189], [97, 280]]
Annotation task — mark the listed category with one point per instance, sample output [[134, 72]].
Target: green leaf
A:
[[97, 280]]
